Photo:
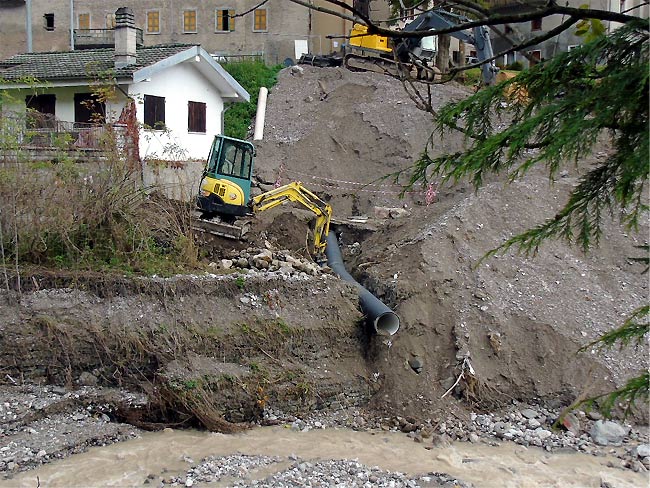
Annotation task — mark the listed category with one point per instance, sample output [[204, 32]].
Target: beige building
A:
[[567, 40], [276, 30]]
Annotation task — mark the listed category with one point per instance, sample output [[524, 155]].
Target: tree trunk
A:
[[442, 56]]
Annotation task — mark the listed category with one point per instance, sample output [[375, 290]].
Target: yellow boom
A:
[[295, 192]]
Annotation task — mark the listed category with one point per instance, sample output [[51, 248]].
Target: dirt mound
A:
[[517, 322], [341, 132]]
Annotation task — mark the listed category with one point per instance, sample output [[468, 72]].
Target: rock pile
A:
[[524, 425], [265, 260], [303, 473]]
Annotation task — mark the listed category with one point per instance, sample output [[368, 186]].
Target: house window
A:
[[83, 21], [153, 22], [407, 13], [259, 24], [189, 21], [154, 112], [40, 111], [196, 117], [536, 57], [536, 24], [571, 47], [110, 21], [88, 109], [225, 20], [49, 22]]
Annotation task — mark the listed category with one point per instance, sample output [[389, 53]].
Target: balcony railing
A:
[[95, 38], [40, 131]]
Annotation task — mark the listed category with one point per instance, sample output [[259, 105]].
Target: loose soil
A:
[[217, 350]]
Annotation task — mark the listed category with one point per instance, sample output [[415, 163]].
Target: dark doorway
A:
[[88, 109], [40, 111]]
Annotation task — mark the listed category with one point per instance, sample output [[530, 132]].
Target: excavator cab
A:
[[225, 187]]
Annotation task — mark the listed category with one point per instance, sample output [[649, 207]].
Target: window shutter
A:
[[196, 117], [231, 20]]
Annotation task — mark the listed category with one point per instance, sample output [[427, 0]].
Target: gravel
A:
[[341, 473]]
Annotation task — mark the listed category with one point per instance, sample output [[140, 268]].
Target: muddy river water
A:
[[506, 465]]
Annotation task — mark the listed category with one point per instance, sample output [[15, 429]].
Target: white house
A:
[[180, 91]]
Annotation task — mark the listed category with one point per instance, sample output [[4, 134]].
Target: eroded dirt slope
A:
[[518, 321]]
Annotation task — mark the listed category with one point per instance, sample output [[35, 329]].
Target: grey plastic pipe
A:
[[382, 318]]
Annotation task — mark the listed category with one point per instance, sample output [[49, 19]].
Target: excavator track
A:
[[217, 227], [384, 66], [356, 62]]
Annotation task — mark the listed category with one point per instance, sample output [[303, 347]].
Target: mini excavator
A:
[[225, 195]]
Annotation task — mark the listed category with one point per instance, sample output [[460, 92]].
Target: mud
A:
[[163, 455]]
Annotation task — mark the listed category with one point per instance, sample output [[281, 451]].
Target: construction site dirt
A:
[[94, 359]]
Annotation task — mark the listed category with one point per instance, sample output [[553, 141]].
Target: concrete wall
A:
[[176, 181]]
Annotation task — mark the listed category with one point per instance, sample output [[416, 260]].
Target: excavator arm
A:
[[441, 19], [295, 192]]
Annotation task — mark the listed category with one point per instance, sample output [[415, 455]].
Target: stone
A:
[[543, 433], [607, 432], [571, 423], [381, 212], [87, 379], [40, 454], [594, 415], [534, 423], [529, 413], [242, 263], [501, 428], [398, 213], [643, 450], [473, 437], [226, 263], [297, 70], [416, 363]]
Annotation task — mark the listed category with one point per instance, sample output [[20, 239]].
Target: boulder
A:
[[607, 432]]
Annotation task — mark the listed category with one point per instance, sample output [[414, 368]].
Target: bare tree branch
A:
[[551, 9], [531, 42]]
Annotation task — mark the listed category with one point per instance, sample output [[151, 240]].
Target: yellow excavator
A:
[[225, 195], [373, 52]]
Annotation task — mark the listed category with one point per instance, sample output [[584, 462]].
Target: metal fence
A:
[[42, 131], [237, 58]]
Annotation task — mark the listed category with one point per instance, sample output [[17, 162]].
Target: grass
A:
[[251, 75]]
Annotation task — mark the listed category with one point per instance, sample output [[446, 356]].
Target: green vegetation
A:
[[515, 66], [471, 77], [251, 75], [68, 211], [240, 281]]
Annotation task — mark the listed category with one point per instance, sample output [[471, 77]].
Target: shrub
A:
[[515, 66], [251, 75]]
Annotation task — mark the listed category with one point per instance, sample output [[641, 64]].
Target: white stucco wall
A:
[[179, 84]]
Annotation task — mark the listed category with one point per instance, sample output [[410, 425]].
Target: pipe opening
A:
[[386, 323]]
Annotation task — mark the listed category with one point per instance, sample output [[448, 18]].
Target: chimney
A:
[[125, 37]]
